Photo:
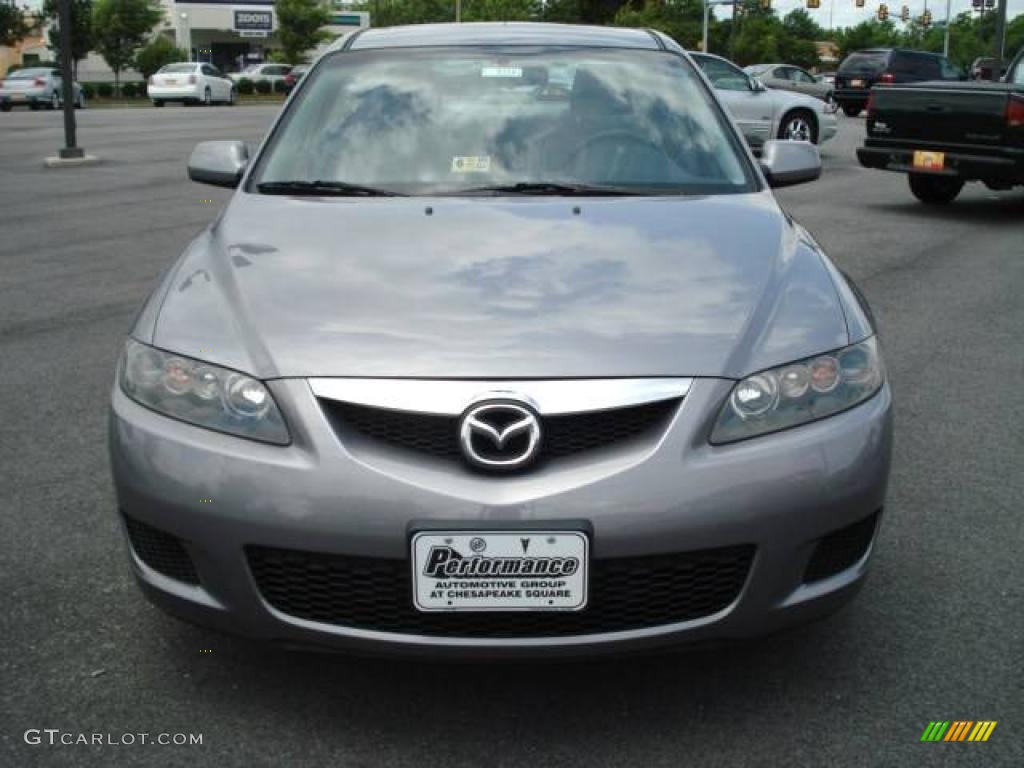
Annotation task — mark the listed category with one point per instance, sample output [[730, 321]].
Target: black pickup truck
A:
[[944, 134]]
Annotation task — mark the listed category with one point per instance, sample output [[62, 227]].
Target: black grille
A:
[[376, 594], [841, 549], [562, 435], [161, 551]]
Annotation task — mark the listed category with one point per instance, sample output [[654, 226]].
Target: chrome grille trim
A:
[[549, 397]]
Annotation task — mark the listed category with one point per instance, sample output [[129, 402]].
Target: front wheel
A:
[[80, 101], [207, 98], [935, 190], [231, 97], [851, 110], [799, 125]]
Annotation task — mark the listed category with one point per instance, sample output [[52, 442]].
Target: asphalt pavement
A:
[[937, 633]]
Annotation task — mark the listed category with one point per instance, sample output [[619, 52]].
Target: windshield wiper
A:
[[553, 188], [335, 188]]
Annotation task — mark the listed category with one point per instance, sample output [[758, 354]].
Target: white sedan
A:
[[190, 83], [268, 71], [763, 114]]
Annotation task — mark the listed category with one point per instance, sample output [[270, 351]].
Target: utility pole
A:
[[999, 44], [945, 39], [458, 11]]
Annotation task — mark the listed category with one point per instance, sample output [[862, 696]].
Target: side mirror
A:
[[757, 86], [220, 163], [785, 163]]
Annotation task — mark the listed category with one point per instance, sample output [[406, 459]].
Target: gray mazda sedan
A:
[[503, 346]]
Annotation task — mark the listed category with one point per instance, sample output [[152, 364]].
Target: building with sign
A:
[[230, 34]]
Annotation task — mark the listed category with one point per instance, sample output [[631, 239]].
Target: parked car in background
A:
[[268, 72], [829, 78], [863, 69], [786, 77], [190, 83], [295, 76], [764, 114], [36, 87], [987, 68]]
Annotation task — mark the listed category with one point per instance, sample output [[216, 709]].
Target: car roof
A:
[[498, 33]]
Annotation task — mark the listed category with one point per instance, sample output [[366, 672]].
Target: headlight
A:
[[202, 394], [800, 392]]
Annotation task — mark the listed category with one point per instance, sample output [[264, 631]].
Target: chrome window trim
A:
[[548, 397]]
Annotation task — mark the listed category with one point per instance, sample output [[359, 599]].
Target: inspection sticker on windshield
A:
[[471, 163], [500, 570], [501, 72]]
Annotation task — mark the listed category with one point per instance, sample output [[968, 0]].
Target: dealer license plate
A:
[[929, 161], [500, 570]]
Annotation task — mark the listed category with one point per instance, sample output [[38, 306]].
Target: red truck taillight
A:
[[871, 103], [1015, 113]]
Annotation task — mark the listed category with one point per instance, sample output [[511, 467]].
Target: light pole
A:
[[186, 35], [945, 39], [458, 11], [71, 148]]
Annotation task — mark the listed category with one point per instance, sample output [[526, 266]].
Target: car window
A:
[[948, 70], [450, 120], [28, 74], [782, 73], [913, 64], [724, 75], [864, 63], [279, 70], [178, 69], [802, 77]]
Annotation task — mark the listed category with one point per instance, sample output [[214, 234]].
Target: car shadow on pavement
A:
[[997, 208]]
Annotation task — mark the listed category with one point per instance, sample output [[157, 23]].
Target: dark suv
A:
[[863, 69]]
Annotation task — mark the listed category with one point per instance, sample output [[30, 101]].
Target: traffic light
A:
[[814, 3], [766, 4], [978, 4], [926, 18], [883, 12], [904, 13], [860, 3]]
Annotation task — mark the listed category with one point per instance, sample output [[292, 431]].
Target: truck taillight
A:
[[871, 103], [887, 77], [1015, 113], [191, 79]]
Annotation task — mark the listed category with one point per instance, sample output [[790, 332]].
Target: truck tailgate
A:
[[941, 112]]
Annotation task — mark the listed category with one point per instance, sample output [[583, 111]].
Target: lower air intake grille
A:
[[376, 594], [161, 551], [841, 549]]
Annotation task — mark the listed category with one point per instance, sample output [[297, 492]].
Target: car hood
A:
[[498, 288]]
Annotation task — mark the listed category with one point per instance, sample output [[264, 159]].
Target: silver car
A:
[[36, 88], [473, 366], [763, 114], [786, 77]]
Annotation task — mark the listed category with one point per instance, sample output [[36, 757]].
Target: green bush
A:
[[105, 90], [128, 90], [279, 87], [157, 53], [88, 91], [245, 86], [263, 86]]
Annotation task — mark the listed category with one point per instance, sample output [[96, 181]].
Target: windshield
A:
[[461, 120], [864, 62], [177, 68], [28, 74]]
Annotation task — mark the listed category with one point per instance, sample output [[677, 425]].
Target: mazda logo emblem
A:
[[499, 435]]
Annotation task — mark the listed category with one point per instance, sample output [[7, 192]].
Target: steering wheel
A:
[[618, 138]]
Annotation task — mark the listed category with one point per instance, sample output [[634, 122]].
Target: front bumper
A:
[[780, 493]]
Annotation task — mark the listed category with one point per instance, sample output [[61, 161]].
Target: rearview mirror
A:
[[785, 163], [220, 163]]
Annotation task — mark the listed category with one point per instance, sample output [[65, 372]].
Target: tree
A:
[[682, 20], [157, 53], [300, 26], [13, 26], [81, 29], [120, 28], [500, 10]]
